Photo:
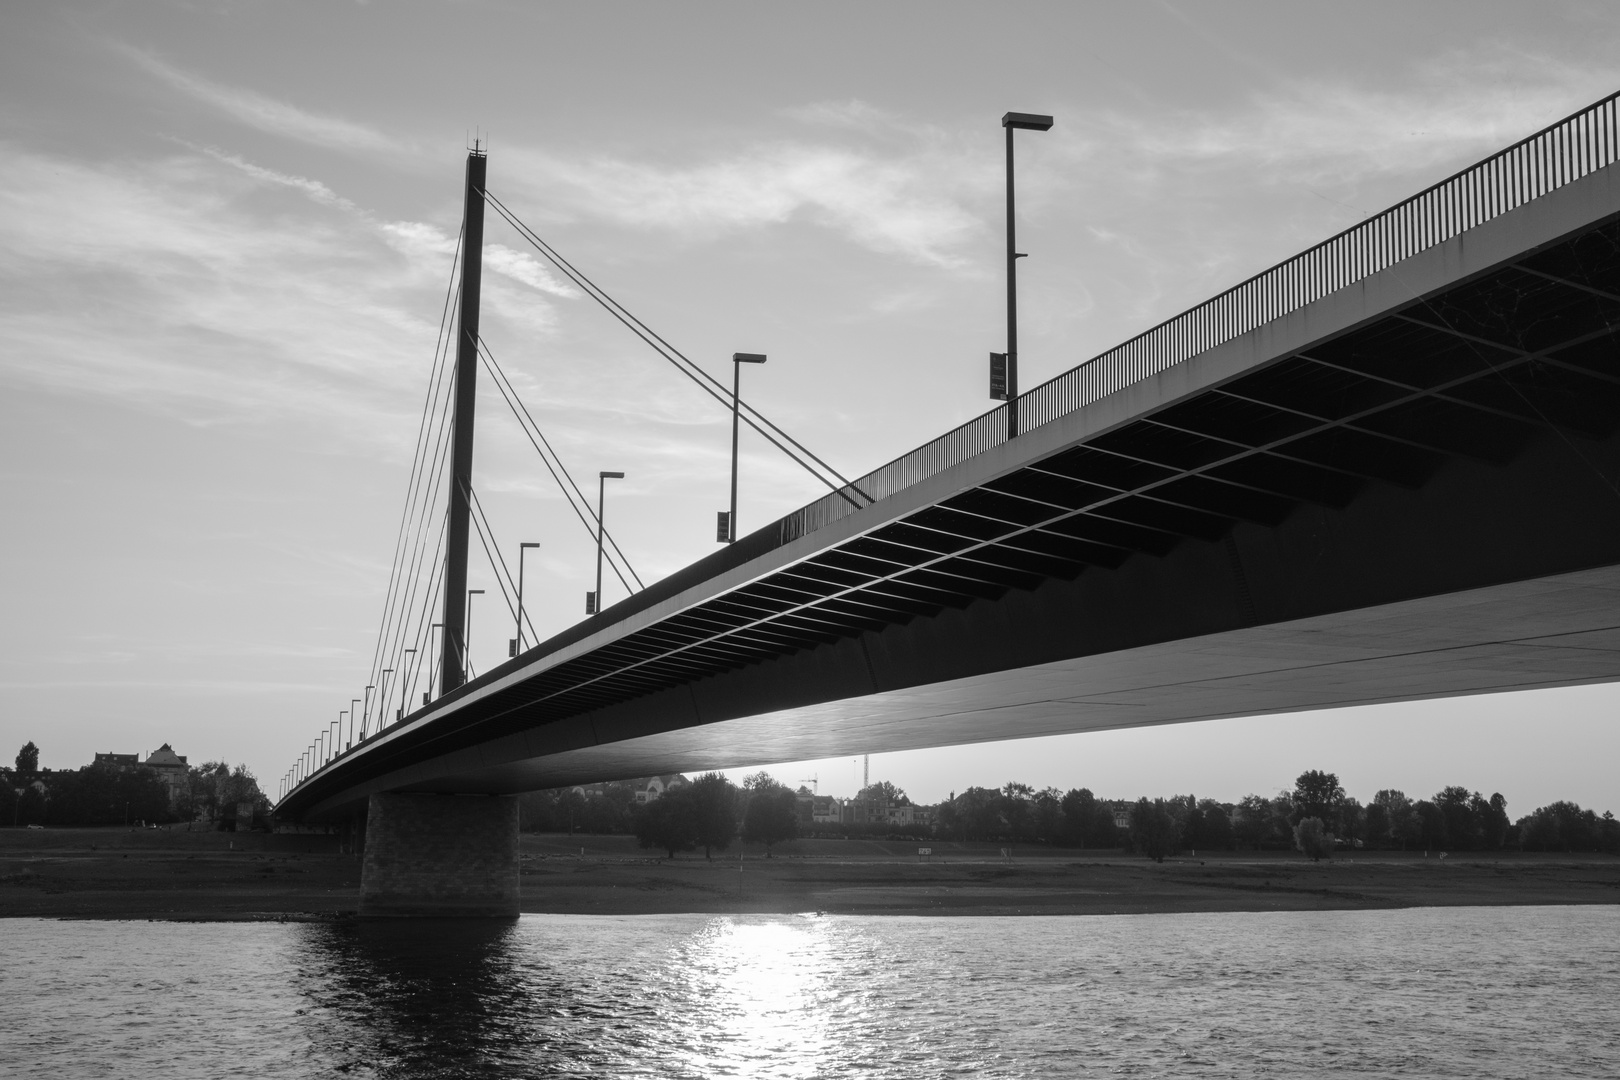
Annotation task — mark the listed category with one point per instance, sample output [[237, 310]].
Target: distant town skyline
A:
[[226, 232]]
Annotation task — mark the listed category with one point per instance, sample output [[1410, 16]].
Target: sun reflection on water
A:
[[761, 990]]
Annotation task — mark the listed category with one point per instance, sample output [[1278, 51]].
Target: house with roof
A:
[[651, 788], [172, 769]]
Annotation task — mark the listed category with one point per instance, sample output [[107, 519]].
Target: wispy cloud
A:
[[266, 113], [896, 202], [1307, 130], [161, 283], [522, 267], [312, 188]]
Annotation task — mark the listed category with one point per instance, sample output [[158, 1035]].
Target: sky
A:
[[226, 232]]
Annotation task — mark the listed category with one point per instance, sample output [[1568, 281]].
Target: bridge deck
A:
[[1402, 488]]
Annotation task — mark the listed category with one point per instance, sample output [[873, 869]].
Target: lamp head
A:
[[610, 475], [748, 357], [1027, 121]]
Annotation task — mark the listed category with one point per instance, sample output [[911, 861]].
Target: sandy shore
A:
[[122, 874]]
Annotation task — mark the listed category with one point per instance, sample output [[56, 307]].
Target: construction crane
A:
[[814, 782]]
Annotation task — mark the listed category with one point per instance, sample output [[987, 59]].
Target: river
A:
[[1427, 992]]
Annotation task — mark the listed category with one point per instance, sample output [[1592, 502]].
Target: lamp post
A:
[[727, 533], [407, 681], [466, 644], [523, 548], [341, 742], [593, 602], [365, 714], [1013, 121], [382, 698], [352, 703]]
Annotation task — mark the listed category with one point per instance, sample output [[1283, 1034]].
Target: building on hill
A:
[[650, 788], [171, 769], [817, 809]]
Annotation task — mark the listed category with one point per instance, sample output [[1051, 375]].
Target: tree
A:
[[1208, 825], [1431, 824], [1496, 822], [1464, 830], [1153, 830], [975, 814], [1048, 815], [1312, 838], [883, 791], [1253, 820], [28, 758], [1397, 809], [772, 815], [668, 822], [1376, 824], [1077, 805], [714, 812], [1564, 826], [1016, 808], [759, 781], [1317, 794], [106, 795]]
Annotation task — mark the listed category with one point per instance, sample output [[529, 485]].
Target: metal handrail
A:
[[1576, 146]]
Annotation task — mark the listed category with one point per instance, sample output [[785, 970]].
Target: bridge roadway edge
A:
[[860, 692]]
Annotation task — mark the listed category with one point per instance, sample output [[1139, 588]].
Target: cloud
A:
[[892, 203], [266, 113], [162, 284], [313, 188], [1313, 130], [523, 267]]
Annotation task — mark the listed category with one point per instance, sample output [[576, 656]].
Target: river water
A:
[[1429, 992]]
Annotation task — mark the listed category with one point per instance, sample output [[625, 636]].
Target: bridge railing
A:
[[1572, 148]]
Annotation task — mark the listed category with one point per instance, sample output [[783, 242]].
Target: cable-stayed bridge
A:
[[1385, 469]]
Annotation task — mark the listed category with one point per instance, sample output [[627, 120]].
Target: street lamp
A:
[[365, 715], [352, 703], [726, 532], [523, 548], [404, 695], [382, 698], [1005, 365], [593, 601], [466, 644], [433, 667]]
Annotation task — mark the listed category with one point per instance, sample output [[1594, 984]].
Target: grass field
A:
[[173, 874]]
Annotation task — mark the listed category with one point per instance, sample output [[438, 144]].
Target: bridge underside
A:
[[1409, 489], [1553, 632]]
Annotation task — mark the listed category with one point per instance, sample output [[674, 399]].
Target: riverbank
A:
[[146, 874]]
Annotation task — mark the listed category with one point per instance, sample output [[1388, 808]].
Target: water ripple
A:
[[1462, 992]]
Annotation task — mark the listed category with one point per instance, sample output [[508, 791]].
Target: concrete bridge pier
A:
[[453, 856]]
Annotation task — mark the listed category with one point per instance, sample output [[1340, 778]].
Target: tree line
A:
[[1316, 817], [103, 794]]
